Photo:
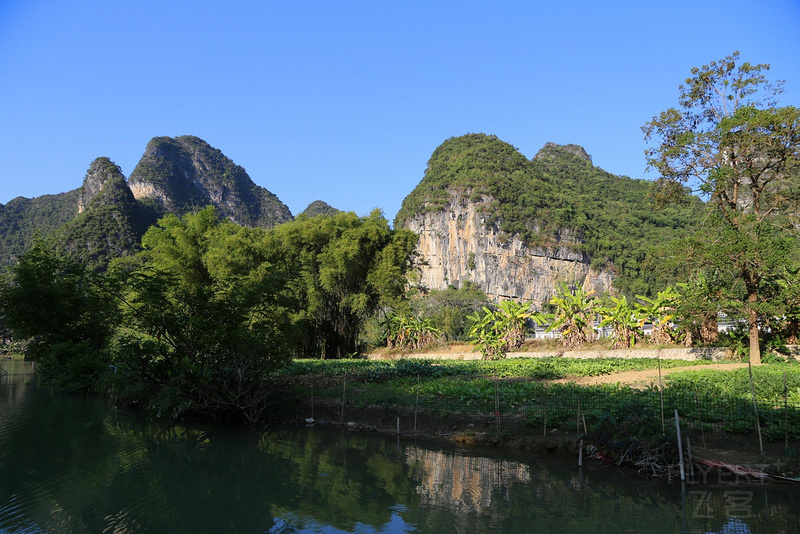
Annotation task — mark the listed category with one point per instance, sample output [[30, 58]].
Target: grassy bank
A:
[[511, 398]]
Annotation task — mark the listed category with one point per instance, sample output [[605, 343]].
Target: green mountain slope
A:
[[612, 217], [318, 207], [185, 173], [110, 223], [107, 216], [22, 218]]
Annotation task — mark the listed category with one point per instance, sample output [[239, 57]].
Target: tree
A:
[[343, 269], [660, 312], [729, 138], [624, 319], [204, 319], [65, 314]]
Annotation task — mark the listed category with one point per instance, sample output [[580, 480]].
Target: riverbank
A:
[[551, 404]]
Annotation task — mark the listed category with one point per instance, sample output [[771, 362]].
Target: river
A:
[[78, 465]]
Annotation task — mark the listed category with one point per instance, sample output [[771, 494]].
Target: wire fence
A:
[[620, 412]]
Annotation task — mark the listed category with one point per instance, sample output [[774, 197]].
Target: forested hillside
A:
[[612, 219], [107, 216]]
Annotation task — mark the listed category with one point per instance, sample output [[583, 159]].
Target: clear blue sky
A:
[[345, 101]]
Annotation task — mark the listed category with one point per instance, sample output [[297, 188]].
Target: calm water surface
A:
[[78, 465]]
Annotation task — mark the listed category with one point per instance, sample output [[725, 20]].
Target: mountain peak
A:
[[552, 150], [103, 176], [318, 207], [185, 173]]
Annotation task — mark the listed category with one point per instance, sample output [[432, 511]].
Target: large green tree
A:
[[729, 139], [204, 318], [343, 268]]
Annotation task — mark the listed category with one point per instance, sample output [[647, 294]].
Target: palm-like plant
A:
[[408, 331], [624, 319], [498, 331], [485, 335], [512, 318], [660, 311], [575, 311]]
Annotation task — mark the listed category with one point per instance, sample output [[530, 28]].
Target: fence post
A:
[[755, 407], [416, 405], [344, 389], [785, 415], [680, 445], [661, 393], [497, 402]]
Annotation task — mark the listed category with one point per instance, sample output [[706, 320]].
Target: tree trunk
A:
[[752, 320]]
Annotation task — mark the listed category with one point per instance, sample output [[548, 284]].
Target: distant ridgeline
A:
[[536, 222], [485, 213], [107, 216]]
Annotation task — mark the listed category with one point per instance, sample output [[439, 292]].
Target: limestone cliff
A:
[[458, 244], [517, 226]]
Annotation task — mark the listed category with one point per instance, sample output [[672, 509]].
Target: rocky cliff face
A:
[[185, 173], [458, 244], [103, 177]]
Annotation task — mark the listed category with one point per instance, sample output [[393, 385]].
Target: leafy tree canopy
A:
[[729, 139]]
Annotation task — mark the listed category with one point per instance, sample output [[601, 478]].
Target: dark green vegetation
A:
[[185, 173], [22, 218], [199, 319], [318, 207], [110, 223], [558, 198], [106, 217], [512, 397], [531, 368], [729, 138]]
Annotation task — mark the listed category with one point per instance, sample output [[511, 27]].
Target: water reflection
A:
[[78, 465]]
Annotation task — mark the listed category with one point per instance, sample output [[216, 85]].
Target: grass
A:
[[530, 368], [719, 398]]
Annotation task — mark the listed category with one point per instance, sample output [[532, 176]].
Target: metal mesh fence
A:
[[504, 410]]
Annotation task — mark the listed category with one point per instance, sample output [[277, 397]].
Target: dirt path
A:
[[641, 379]]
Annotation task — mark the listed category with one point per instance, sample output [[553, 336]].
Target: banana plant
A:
[[485, 335], [408, 332], [625, 320], [659, 312], [575, 312]]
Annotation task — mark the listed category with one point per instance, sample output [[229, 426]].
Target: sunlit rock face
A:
[[457, 244]]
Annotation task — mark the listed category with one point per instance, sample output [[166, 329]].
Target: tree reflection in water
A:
[[78, 465]]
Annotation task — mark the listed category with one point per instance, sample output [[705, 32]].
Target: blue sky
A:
[[346, 101]]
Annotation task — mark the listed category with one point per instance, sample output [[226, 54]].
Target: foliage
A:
[[625, 320], [408, 332], [557, 199], [21, 219], [448, 310], [65, 314], [203, 319], [659, 312], [533, 368], [497, 331], [731, 140], [574, 315], [342, 268]]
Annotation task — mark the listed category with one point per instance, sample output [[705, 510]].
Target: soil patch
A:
[[640, 379]]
